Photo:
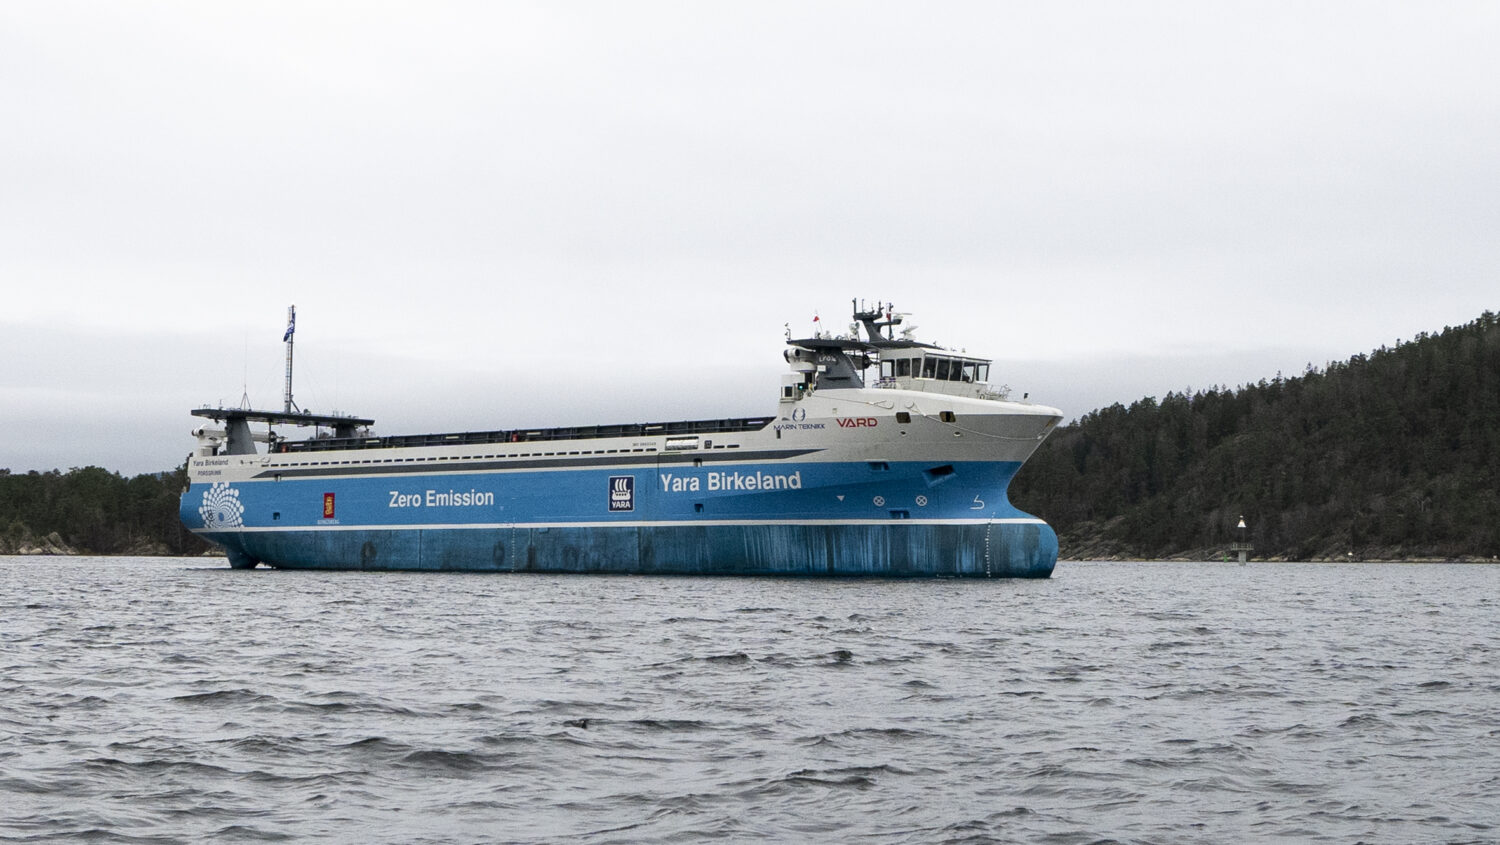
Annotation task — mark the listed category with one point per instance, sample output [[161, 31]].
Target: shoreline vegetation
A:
[[92, 511], [1386, 457]]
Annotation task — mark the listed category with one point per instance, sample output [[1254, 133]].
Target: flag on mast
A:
[[291, 325]]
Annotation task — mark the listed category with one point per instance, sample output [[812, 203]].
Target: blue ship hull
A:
[[908, 549], [779, 518]]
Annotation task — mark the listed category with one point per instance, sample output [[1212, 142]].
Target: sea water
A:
[[174, 700]]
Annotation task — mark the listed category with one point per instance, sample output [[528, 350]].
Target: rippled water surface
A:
[[173, 700]]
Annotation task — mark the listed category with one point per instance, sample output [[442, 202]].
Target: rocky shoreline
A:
[[53, 544], [1104, 549]]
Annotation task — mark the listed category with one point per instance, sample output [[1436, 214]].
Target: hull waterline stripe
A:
[[715, 523]]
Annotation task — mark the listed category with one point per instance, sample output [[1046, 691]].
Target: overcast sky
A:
[[494, 215]]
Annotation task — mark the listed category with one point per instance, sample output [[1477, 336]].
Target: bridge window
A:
[[929, 368]]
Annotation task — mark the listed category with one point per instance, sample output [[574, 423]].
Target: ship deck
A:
[[527, 435]]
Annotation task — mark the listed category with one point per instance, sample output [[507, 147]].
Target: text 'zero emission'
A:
[[441, 499]]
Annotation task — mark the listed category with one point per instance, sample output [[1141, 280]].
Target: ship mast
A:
[[291, 329], [882, 316]]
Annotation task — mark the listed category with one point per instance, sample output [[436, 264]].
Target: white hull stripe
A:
[[717, 523]]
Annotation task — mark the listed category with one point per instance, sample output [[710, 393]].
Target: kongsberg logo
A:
[[221, 507], [622, 493]]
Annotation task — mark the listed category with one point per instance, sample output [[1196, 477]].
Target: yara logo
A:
[[221, 507], [622, 492], [858, 422]]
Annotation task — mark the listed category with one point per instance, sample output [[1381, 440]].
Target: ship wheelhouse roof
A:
[[839, 362]]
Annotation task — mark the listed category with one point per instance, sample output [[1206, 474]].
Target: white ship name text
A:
[[717, 481]]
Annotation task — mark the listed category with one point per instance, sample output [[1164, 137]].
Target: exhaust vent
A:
[[937, 475]]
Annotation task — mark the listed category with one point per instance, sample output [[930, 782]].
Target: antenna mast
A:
[[291, 329]]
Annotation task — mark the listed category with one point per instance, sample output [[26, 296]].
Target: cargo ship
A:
[[885, 457]]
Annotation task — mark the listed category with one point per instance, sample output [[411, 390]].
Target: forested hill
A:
[[1390, 455], [93, 511]]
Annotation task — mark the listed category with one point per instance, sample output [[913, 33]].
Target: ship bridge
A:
[[936, 371], [826, 362]]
